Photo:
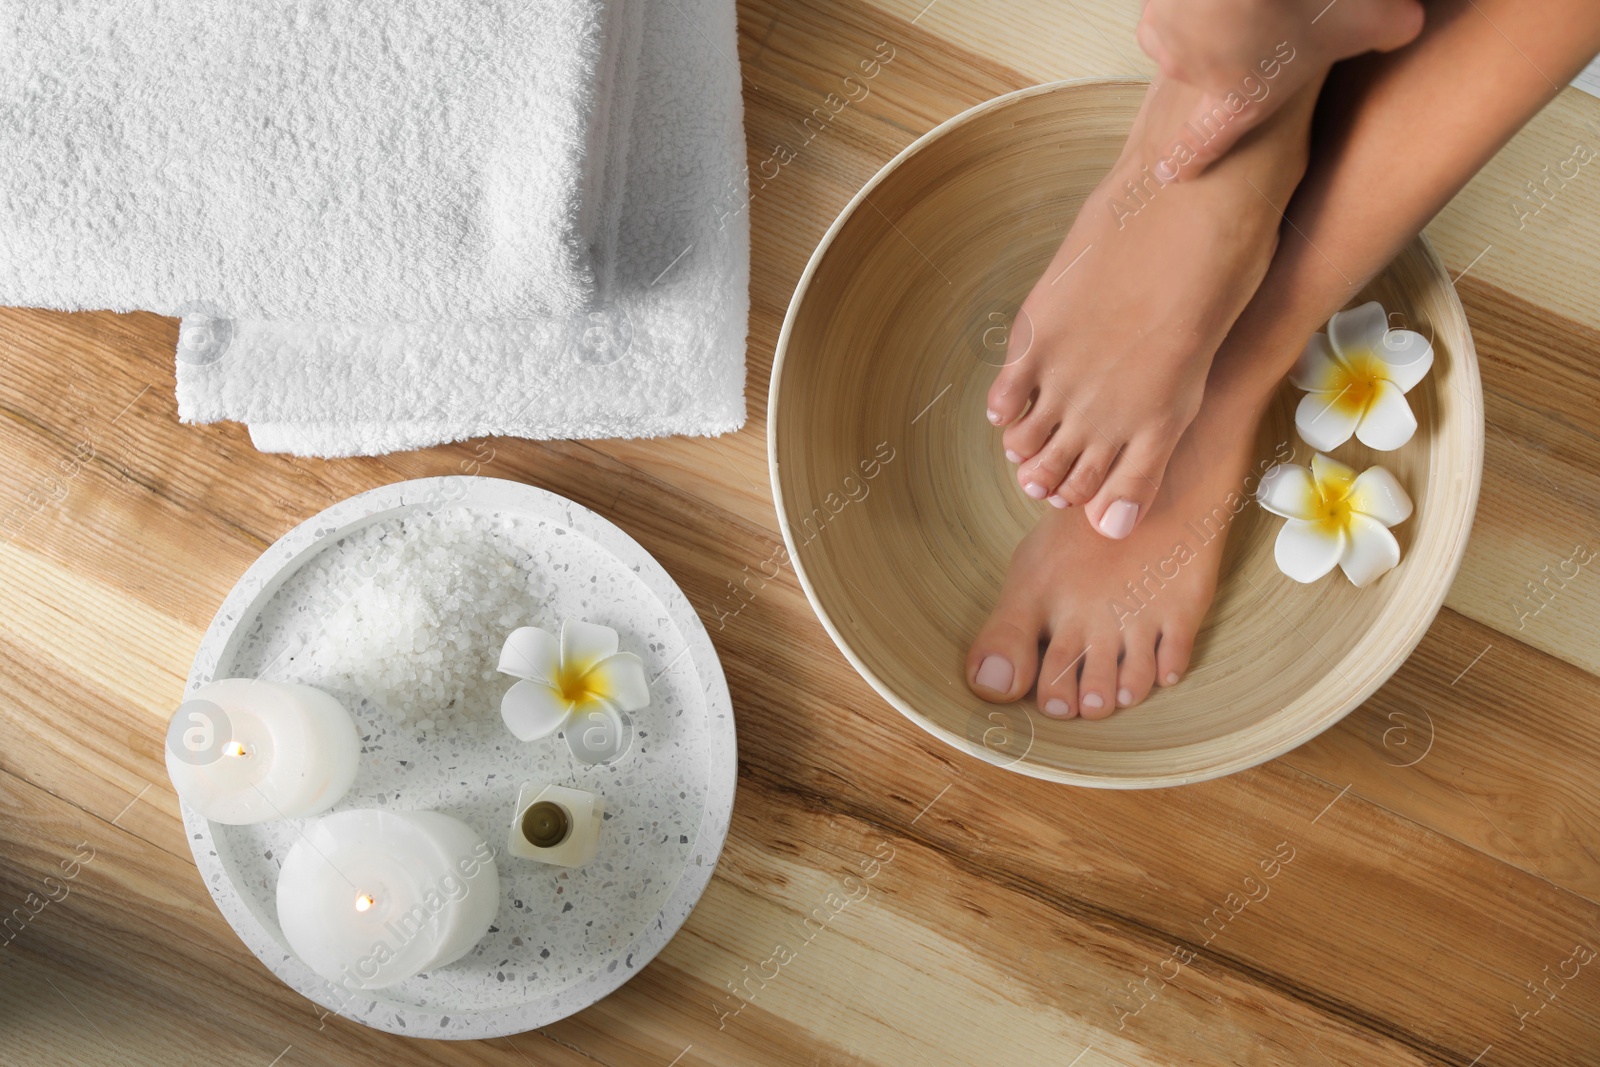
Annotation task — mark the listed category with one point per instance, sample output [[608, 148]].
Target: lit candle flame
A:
[[364, 901], [234, 748]]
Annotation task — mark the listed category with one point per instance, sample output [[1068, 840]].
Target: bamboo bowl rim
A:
[[1463, 471]]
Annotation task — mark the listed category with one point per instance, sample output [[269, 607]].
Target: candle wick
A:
[[364, 901], [235, 748]]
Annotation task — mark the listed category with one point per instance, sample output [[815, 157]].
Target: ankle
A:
[[1164, 139], [1261, 349]]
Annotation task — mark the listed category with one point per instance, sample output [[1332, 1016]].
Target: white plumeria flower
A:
[[1335, 517], [580, 680], [1356, 376]]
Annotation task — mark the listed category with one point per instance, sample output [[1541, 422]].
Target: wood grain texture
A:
[[1017, 921]]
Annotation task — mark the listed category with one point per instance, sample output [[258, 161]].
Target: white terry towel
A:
[[349, 160], [665, 356]]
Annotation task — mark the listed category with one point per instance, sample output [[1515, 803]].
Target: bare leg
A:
[[1399, 135], [1404, 133]]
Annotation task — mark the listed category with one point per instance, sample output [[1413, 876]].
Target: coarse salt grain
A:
[[415, 611]]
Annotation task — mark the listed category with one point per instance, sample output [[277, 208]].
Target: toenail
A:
[[1172, 677], [994, 416], [994, 674], [1124, 697], [1012, 456], [1056, 501], [1035, 490], [1093, 700], [1117, 522], [1057, 707]]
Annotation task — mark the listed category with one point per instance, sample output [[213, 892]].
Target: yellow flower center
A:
[[581, 685], [1362, 371], [1337, 512], [1332, 509]]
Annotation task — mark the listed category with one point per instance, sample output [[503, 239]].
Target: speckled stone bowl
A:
[[562, 939]]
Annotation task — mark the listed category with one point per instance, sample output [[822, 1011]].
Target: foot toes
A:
[[1004, 659], [1041, 475], [1027, 435], [1009, 396], [1129, 489], [1087, 473], [1138, 671], [1058, 675], [1174, 649], [1097, 684]]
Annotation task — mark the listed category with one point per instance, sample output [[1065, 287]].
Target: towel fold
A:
[[663, 355], [353, 161]]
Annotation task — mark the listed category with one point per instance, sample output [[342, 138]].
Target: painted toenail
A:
[[1117, 522], [1035, 490], [1056, 501], [994, 674], [1012, 456], [1093, 700], [1124, 697], [994, 416], [1057, 707], [1172, 677]]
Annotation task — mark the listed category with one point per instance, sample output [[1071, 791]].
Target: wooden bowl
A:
[[900, 513]]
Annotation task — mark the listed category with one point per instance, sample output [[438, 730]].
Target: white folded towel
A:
[[664, 356], [347, 160]]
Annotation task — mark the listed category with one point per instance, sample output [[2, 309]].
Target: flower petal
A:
[[1318, 369], [1406, 357], [530, 652], [583, 644], [1379, 494], [1305, 551], [1334, 479], [598, 733], [533, 710], [1323, 422], [620, 680], [1370, 550], [1361, 329], [1288, 490], [1388, 423]]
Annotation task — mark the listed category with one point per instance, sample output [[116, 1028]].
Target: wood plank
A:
[[1485, 741], [1420, 901], [126, 916], [57, 1016], [1162, 861], [1538, 520]]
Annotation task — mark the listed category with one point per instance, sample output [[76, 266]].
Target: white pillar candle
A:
[[243, 750], [370, 898]]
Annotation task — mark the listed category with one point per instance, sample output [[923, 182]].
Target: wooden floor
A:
[[1420, 885]]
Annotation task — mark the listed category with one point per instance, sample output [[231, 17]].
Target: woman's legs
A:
[[1398, 136], [1401, 134]]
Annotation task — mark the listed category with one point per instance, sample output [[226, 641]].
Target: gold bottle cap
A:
[[546, 824]]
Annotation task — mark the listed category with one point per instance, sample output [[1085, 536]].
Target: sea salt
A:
[[414, 612]]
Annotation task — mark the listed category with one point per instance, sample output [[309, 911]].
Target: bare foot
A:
[[1109, 354], [1249, 56], [1116, 618]]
